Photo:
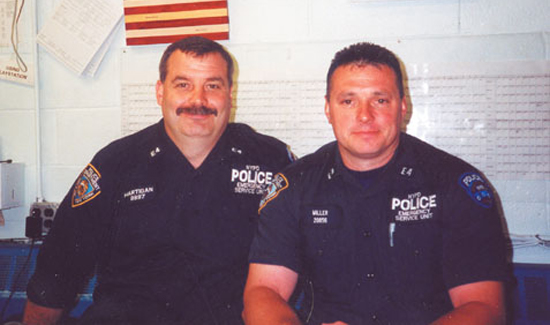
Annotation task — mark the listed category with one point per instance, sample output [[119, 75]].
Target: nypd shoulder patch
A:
[[278, 184], [477, 188], [86, 187]]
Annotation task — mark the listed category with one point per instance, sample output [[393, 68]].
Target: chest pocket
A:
[[142, 217], [415, 243], [328, 249]]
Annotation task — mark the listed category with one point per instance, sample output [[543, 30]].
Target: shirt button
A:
[[374, 317], [320, 252], [358, 284], [366, 234], [370, 276]]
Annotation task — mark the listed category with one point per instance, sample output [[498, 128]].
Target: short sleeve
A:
[[474, 244], [69, 252], [277, 237]]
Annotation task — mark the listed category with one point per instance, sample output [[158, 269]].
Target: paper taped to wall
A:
[[9, 70], [79, 33]]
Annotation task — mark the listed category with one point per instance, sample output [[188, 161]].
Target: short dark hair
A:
[[366, 54], [199, 46]]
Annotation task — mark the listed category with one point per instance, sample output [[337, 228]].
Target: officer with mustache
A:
[[157, 214]]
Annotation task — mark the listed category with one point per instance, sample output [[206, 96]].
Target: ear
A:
[[327, 110], [160, 92], [404, 107], [404, 110]]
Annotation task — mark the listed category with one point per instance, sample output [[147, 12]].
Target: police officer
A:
[[386, 228], [165, 215]]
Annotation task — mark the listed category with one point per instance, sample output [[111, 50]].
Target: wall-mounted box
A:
[[12, 185]]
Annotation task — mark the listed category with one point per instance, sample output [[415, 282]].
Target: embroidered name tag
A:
[[139, 194], [323, 216], [320, 216]]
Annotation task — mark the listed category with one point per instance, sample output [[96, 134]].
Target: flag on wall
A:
[[166, 21]]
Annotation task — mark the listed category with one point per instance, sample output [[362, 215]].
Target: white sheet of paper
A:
[[77, 31], [92, 67]]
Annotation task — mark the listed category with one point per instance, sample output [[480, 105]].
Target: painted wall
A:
[[78, 116]]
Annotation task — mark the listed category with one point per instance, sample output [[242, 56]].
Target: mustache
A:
[[197, 110]]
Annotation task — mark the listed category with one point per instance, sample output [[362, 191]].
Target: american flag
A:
[[166, 21]]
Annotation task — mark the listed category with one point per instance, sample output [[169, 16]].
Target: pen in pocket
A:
[[392, 230]]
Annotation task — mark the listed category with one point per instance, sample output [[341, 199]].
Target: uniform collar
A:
[[226, 147], [156, 142], [162, 145], [401, 167], [160, 148]]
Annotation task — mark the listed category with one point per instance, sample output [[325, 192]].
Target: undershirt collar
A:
[[366, 178]]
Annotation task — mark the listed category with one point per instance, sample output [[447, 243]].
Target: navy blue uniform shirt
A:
[[170, 242], [387, 253]]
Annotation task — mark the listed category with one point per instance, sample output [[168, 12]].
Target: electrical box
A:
[[44, 213], [12, 185]]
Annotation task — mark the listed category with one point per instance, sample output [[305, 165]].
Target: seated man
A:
[[166, 215], [386, 228]]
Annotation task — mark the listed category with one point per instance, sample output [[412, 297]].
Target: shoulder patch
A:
[[86, 187], [278, 184], [477, 188]]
